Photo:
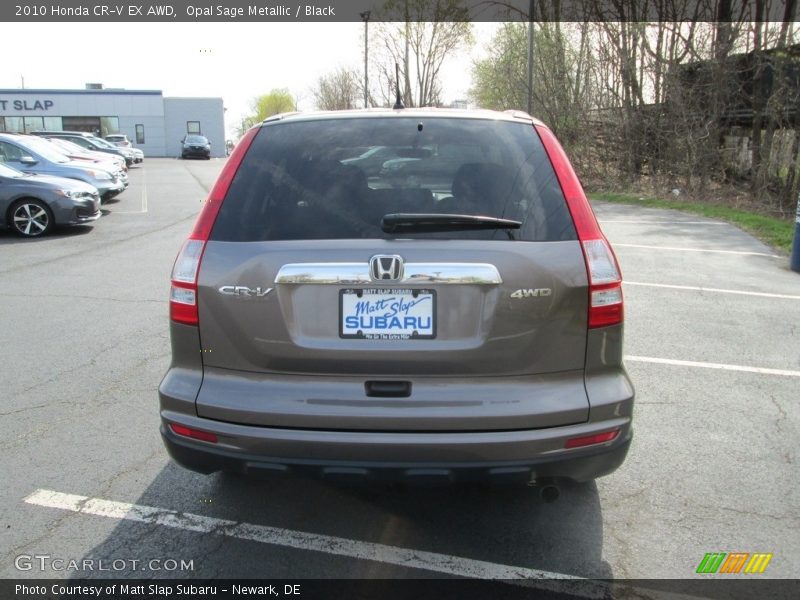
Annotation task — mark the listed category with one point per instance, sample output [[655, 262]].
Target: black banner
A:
[[377, 10], [406, 589]]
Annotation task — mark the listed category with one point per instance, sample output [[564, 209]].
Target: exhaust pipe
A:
[[549, 491]]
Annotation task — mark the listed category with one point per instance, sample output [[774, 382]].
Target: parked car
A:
[[30, 154], [195, 145], [432, 166], [74, 150], [106, 162], [328, 324], [373, 159], [119, 139], [131, 154], [31, 205], [90, 142]]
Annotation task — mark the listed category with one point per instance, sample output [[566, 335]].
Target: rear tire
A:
[[30, 217]]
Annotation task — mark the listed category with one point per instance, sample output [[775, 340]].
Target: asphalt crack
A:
[[25, 409], [100, 298]]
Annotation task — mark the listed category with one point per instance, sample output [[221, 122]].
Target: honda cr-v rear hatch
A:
[[449, 291]]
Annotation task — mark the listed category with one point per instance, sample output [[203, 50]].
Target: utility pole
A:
[[407, 90], [794, 263], [530, 57], [365, 18]]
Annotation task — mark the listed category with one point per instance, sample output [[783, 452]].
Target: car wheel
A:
[[31, 217]]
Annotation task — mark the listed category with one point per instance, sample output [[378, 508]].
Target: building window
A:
[[140, 134], [33, 124], [87, 124], [2, 124], [13, 125], [193, 127], [53, 124], [108, 125]]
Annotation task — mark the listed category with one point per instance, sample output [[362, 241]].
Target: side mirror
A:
[[28, 160]]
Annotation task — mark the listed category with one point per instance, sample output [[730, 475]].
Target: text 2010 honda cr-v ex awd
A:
[[455, 315]]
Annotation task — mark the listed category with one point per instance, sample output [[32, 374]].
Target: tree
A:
[[418, 36], [339, 90], [500, 81], [560, 84], [275, 102]]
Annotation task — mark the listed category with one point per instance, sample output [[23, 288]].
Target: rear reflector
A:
[[193, 433], [589, 440]]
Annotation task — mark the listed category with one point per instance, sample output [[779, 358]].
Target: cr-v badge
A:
[[241, 290]]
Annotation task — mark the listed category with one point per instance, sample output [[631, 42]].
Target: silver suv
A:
[[458, 318]]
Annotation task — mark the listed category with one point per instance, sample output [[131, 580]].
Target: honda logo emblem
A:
[[386, 267]]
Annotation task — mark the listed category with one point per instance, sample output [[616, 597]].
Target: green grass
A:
[[777, 233]]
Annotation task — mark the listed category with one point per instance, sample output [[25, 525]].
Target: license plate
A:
[[387, 314]]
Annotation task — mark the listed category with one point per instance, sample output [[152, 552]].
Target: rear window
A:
[[336, 179]]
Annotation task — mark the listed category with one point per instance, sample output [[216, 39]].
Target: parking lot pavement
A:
[[712, 466]]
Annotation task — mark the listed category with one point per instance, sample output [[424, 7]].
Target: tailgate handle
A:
[[388, 389]]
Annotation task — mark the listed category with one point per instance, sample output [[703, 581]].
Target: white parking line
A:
[[651, 222], [144, 199], [681, 249], [708, 365], [715, 290], [144, 190], [301, 540]]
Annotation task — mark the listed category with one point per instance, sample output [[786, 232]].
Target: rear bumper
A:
[[512, 457]]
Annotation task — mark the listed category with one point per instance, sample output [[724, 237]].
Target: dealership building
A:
[[152, 122]]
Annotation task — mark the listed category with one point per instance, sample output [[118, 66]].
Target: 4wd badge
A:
[[532, 293]]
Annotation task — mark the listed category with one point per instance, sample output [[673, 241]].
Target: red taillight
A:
[[605, 284], [183, 292], [589, 440], [605, 279], [193, 433]]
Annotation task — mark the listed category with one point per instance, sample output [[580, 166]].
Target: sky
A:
[[234, 61]]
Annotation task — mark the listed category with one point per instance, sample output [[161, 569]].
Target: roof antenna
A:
[[399, 102]]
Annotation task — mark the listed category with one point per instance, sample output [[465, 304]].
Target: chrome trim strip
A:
[[324, 273], [458, 273], [358, 274]]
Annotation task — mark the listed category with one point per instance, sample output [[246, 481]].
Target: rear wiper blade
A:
[[435, 222]]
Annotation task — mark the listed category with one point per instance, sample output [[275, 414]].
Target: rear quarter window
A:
[[319, 179]]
